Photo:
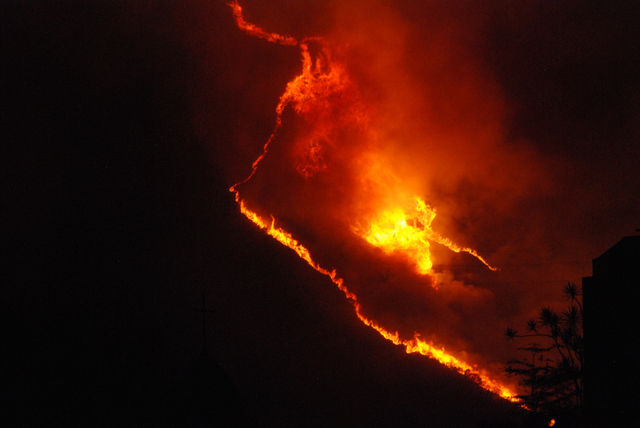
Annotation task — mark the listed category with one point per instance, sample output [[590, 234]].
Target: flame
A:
[[254, 30], [323, 76], [408, 231]]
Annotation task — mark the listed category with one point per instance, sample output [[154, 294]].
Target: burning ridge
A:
[[406, 230]]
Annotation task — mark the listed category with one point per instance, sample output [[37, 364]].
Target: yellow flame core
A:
[[392, 230], [409, 232], [397, 231]]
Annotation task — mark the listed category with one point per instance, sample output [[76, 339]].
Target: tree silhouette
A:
[[552, 370]]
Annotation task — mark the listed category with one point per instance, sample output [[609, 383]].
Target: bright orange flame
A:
[[552, 422], [410, 233], [392, 230]]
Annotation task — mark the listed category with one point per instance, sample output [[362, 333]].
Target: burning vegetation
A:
[[338, 151]]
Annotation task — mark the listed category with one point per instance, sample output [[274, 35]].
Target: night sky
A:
[[127, 122]]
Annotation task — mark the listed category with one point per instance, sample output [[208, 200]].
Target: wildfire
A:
[[410, 233], [407, 230]]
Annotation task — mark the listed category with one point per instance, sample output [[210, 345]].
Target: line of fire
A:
[[330, 143], [321, 213], [401, 228]]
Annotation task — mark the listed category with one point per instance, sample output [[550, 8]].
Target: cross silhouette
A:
[[203, 310]]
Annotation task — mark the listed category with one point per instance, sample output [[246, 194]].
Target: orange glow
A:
[[393, 229], [410, 233], [552, 422]]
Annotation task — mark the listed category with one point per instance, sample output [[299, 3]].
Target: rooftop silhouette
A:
[[610, 327]]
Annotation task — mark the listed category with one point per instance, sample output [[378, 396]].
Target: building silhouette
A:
[[611, 317]]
